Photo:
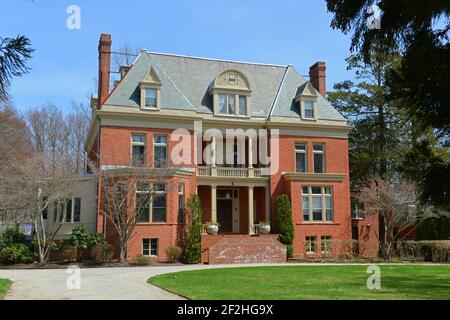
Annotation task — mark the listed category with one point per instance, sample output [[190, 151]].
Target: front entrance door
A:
[[228, 210]]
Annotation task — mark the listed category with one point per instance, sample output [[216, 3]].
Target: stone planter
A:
[[212, 229], [264, 229]]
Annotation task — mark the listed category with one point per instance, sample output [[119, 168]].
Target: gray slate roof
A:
[[186, 80]]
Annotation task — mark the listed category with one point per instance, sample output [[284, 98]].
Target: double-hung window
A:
[[159, 151], [308, 106], [242, 105], [319, 157], [149, 247], [310, 244], [317, 204], [138, 150], [151, 202], [300, 157], [150, 98], [325, 244]]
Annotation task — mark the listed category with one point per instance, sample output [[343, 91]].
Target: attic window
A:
[[307, 98], [231, 94], [308, 109], [150, 88]]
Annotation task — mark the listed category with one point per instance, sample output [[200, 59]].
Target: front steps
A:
[[228, 249]]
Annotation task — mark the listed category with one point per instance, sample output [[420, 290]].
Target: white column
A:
[[268, 204], [251, 216], [250, 153], [213, 151], [213, 203]]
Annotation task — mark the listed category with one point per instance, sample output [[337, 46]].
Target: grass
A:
[[308, 282], [4, 286]]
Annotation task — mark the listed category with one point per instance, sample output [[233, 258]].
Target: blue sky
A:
[[64, 65]]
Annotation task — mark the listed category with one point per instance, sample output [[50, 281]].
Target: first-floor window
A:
[[310, 244], [149, 247], [317, 204], [325, 243], [150, 202], [72, 209]]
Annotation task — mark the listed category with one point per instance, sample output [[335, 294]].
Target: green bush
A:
[[283, 223], [141, 261], [173, 253], [16, 253], [435, 228], [95, 239], [11, 235], [193, 231]]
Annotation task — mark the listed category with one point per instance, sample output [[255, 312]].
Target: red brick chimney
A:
[[317, 77], [104, 63]]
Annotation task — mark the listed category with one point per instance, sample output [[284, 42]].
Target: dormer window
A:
[[150, 98], [231, 94], [150, 88], [307, 98], [308, 106]]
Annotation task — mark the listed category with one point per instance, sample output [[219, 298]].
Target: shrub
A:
[[283, 223], [173, 253], [141, 261], [11, 235], [70, 252], [101, 253], [193, 231], [78, 239], [435, 251], [95, 239], [16, 253]]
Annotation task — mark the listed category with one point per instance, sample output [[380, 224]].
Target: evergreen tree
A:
[[193, 231], [283, 223]]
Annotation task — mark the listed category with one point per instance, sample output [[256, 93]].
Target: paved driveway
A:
[[96, 283]]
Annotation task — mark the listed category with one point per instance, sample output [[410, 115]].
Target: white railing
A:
[[203, 171], [232, 172], [229, 172]]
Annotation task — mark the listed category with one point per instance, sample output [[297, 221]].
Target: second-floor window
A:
[[242, 105], [317, 204], [319, 157], [181, 203], [159, 151], [300, 157], [150, 98], [138, 150]]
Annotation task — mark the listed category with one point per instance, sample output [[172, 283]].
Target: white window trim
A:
[[159, 144], [309, 242], [139, 144], [236, 95], [305, 152], [323, 152], [143, 86], [150, 247], [302, 108], [323, 196], [150, 206], [65, 211]]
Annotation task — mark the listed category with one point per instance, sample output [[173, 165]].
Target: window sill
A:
[[150, 223], [150, 109], [231, 116]]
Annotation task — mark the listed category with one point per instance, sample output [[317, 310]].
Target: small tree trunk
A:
[[123, 250]]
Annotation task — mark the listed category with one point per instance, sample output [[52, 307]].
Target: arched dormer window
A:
[[231, 94], [307, 98], [150, 87]]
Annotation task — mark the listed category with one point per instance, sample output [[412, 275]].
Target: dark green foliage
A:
[[420, 85], [82, 240], [16, 253], [193, 231], [10, 236], [283, 223], [434, 229], [14, 53]]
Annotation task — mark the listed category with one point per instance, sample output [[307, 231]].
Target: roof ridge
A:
[[216, 59], [278, 91]]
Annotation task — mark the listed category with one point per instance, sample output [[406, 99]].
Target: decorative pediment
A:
[[151, 78], [231, 80], [306, 90]]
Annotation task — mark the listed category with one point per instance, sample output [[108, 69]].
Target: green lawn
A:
[[4, 286], [309, 282]]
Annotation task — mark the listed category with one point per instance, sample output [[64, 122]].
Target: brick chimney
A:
[[317, 77], [104, 63]]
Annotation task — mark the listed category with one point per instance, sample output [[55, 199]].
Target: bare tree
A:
[[124, 55], [77, 124], [127, 194], [27, 187], [398, 208]]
